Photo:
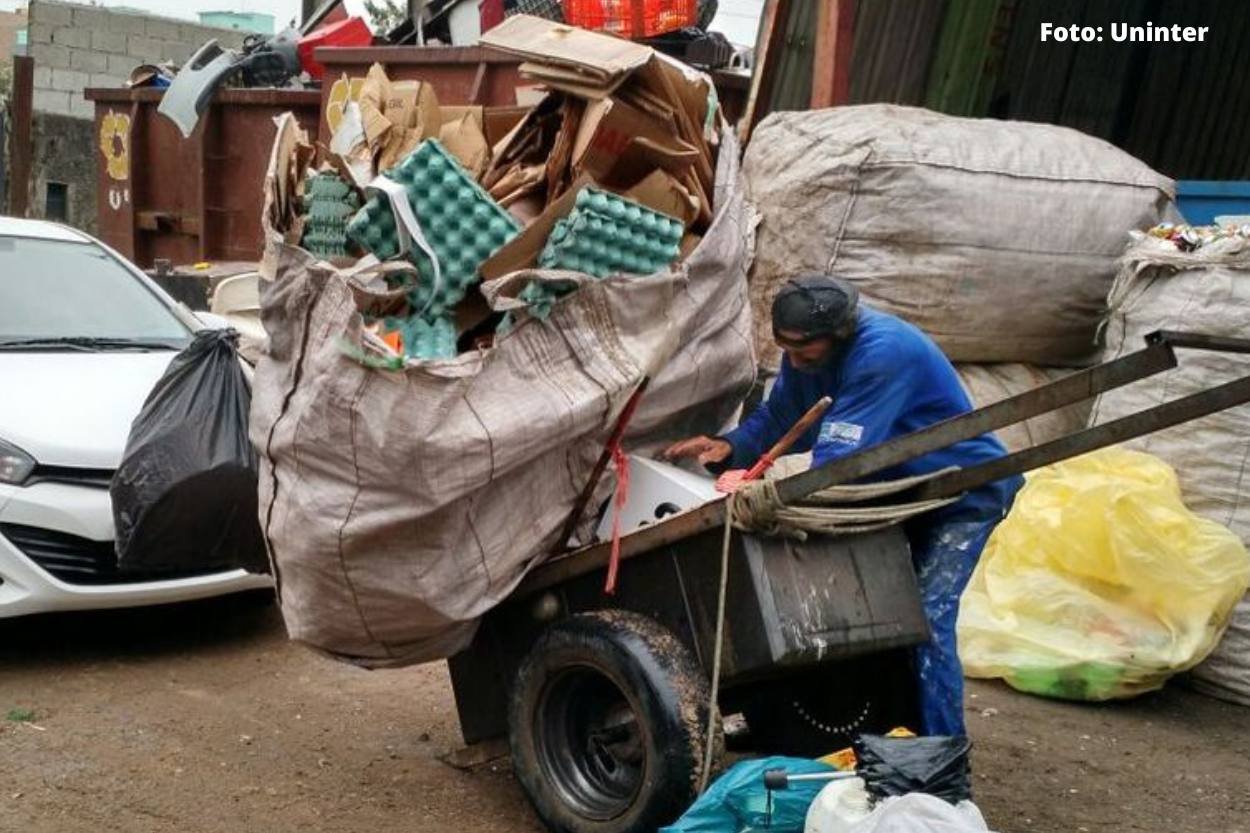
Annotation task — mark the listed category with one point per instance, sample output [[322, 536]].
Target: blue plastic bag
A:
[[737, 801]]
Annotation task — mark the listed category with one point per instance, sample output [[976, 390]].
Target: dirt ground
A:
[[203, 717]]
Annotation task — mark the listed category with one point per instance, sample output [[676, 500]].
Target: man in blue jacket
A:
[[886, 379]]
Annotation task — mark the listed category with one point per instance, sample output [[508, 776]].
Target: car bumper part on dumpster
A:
[[56, 554]]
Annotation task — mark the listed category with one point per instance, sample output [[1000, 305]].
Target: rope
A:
[[709, 743], [837, 510]]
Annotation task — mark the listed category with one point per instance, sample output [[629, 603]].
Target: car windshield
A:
[[57, 294]]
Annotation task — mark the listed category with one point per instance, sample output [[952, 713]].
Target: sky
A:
[[736, 18]]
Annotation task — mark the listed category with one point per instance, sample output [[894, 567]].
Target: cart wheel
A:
[[823, 709], [607, 724]]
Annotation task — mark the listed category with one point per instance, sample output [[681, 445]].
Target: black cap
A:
[[816, 306]]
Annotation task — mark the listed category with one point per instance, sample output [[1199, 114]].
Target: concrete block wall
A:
[[64, 154], [76, 47]]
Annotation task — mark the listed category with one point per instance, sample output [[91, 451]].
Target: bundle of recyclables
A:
[[459, 302]]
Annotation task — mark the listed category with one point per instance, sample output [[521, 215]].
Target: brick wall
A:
[[10, 23], [76, 47]]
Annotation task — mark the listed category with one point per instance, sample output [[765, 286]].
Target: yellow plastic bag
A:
[[1100, 583]]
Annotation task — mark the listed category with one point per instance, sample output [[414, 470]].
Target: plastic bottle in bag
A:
[[838, 807]]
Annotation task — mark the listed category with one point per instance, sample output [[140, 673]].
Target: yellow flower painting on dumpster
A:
[[115, 144]]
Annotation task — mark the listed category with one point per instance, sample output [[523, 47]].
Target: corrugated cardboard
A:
[[687, 93], [661, 191], [568, 80], [527, 95], [413, 112], [396, 115], [522, 251], [464, 138], [562, 151], [519, 181], [526, 209], [595, 60], [451, 112], [496, 121], [373, 96], [641, 156], [528, 143], [611, 129]]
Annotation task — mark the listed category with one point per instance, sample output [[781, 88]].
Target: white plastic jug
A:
[[838, 806]]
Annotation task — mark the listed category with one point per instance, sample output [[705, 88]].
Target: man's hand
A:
[[705, 449]]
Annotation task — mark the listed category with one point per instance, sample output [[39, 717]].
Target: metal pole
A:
[[1188, 408]]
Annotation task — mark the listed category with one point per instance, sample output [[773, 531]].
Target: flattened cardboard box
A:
[[596, 60]]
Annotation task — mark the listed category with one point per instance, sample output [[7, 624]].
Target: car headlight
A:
[[15, 464]]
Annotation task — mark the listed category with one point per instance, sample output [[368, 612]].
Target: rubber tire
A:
[[821, 710], [665, 690]]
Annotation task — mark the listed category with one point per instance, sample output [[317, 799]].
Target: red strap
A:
[[621, 462]]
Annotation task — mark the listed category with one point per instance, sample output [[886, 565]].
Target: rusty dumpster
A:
[[160, 196]]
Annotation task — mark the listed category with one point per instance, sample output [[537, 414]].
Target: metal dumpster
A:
[[188, 200]]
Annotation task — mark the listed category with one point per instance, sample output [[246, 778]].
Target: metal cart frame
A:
[[600, 695]]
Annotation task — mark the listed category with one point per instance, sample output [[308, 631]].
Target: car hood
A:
[[75, 409]]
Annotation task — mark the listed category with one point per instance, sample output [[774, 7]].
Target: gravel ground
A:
[[203, 717]]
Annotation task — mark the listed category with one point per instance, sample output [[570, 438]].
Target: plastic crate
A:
[[351, 32], [1201, 201], [549, 9], [632, 18]]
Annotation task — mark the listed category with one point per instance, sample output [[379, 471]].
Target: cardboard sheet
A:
[[608, 130], [662, 192], [397, 116], [465, 139], [600, 59]]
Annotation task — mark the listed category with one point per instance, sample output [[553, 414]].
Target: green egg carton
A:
[[330, 204], [426, 337], [461, 222], [606, 234]]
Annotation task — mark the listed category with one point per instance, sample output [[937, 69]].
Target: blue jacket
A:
[[890, 381]]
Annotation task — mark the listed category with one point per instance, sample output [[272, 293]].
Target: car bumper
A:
[[84, 512]]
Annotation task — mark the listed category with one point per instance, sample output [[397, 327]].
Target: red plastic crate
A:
[[351, 32], [631, 18]]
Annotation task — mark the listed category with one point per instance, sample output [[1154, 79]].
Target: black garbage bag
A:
[[937, 765], [184, 496]]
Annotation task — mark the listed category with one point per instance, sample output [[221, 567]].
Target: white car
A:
[[84, 335]]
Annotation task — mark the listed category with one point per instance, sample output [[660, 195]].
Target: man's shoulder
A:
[[886, 337]]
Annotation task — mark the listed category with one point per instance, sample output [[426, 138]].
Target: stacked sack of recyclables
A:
[[1197, 280], [999, 239]]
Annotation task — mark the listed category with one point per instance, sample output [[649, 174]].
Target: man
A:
[[886, 379]]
